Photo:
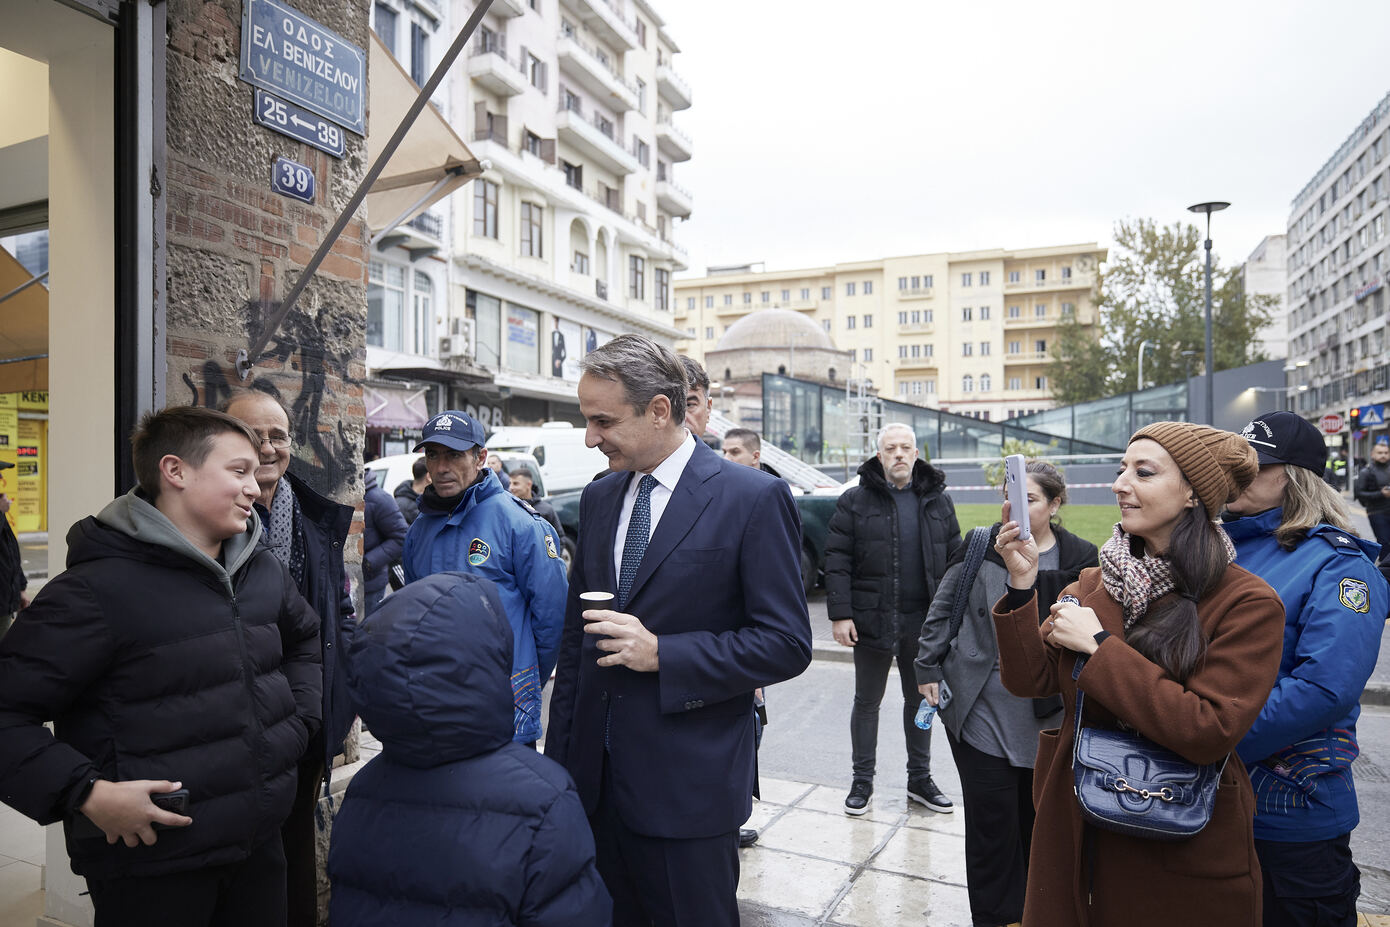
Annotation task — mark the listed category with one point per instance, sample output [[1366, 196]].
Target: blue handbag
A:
[[1129, 784]]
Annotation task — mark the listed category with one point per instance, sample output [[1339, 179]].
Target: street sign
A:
[[292, 179], [1331, 423], [1373, 414], [298, 123], [291, 55]]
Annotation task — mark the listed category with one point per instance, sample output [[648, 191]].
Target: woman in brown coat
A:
[[1182, 646]]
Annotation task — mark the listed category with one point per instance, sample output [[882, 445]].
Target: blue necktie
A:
[[639, 530]]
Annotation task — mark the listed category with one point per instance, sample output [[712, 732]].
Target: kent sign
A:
[[288, 54]]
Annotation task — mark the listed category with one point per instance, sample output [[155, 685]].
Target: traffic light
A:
[[1354, 419]]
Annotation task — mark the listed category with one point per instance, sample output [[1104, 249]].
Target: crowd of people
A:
[[201, 661]]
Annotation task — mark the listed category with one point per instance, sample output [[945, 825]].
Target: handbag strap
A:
[[977, 544]]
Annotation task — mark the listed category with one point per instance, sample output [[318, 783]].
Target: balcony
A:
[[573, 129], [673, 199], [672, 142], [916, 292], [592, 69], [916, 363], [1028, 357], [1074, 282], [917, 328], [508, 9], [606, 21], [672, 88], [737, 307], [491, 70], [1032, 321], [428, 223], [802, 305]]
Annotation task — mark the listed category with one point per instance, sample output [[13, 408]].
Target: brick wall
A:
[[235, 247]]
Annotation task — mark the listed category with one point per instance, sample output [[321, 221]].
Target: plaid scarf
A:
[[283, 531], [1138, 582]]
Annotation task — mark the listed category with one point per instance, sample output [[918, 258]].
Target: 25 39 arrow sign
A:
[[298, 123]]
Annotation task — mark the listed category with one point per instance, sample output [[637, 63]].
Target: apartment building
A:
[[969, 332], [1337, 262], [568, 238], [1264, 273]]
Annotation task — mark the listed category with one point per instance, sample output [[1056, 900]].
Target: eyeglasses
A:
[[276, 439]]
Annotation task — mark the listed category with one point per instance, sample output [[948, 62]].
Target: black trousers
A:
[[233, 895], [298, 836], [998, 833], [1313, 884], [870, 681], [662, 882]]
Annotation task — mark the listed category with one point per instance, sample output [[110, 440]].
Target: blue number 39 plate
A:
[[290, 178]]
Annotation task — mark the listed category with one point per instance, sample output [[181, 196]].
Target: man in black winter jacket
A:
[[889, 541], [173, 653], [1373, 492]]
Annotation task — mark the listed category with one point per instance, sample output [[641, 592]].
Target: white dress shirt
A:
[[668, 474]]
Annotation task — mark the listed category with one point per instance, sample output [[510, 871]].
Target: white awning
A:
[[431, 162]]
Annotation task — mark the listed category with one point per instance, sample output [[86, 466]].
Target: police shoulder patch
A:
[[478, 552], [1354, 594], [550, 549]]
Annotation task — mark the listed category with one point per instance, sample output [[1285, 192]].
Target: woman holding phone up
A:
[[1167, 638]]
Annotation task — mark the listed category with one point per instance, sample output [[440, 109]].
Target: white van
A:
[[566, 462]]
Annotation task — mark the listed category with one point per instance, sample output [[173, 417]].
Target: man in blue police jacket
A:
[[471, 523], [652, 711]]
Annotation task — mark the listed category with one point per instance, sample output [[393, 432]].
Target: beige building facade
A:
[[966, 332]]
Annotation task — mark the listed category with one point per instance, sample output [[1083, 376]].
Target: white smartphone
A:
[[1016, 484]]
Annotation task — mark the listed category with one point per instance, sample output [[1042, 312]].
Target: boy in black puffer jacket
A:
[[173, 653], [453, 824]]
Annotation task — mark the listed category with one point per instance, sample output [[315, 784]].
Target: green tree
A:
[[994, 471], [1152, 289]]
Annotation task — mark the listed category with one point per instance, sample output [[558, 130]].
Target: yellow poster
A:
[[22, 443]]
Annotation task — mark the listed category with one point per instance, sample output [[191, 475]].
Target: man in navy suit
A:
[[652, 711]]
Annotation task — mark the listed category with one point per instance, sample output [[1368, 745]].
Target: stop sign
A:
[[1331, 423]]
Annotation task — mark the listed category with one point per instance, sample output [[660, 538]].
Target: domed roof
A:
[[774, 328]]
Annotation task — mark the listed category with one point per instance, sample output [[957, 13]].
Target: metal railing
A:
[[599, 58]]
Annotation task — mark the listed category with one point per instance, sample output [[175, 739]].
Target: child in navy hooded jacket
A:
[[453, 824]]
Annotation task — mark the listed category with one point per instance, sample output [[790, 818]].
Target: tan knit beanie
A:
[[1219, 465]]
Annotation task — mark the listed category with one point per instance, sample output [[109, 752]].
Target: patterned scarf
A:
[[282, 533], [1138, 582]]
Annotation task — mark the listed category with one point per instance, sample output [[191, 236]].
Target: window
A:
[[765, 296], [642, 151], [1013, 276], [531, 230], [663, 289], [868, 320], [691, 330], [747, 298], [902, 318], [1040, 383], [984, 313], [786, 296], [581, 263], [927, 315], [984, 347], [965, 313], [1015, 347], [531, 142], [916, 316], [806, 292], [926, 282], [641, 33], [419, 55], [868, 354], [689, 303], [574, 174], [535, 72], [570, 100], [485, 208], [902, 283], [1040, 346], [641, 96], [927, 350], [636, 277], [825, 324], [967, 279], [709, 332], [1066, 273], [967, 384], [916, 350], [902, 388], [849, 289], [709, 302], [984, 278], [825, 292], [967, 349], [849, 321], [1068, 310], [984, 383], [1040, 311], [384, 21], [728, 299], [1015, 383], [868, 287], [902, 351], [1015, 312], [1039, 276], [853, 355]]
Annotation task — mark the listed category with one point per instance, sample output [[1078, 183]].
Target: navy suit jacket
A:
[[720, 586]]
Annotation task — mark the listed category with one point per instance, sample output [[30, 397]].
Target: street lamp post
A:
[[1143, 346], [1209, 208]]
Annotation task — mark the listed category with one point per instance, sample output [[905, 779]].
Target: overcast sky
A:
[[838, 131]]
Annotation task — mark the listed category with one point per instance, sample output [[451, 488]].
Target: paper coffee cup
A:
[[596, 599]]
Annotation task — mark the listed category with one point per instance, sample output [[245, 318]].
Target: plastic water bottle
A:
[[925, 714]]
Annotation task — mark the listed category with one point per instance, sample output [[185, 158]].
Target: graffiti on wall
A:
[[327, 459]]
